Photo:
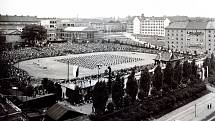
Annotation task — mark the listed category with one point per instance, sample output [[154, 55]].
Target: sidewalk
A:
[[196, 110]]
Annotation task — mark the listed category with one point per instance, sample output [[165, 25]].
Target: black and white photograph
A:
[[107, 60]]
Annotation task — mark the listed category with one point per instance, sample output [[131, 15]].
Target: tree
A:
[[168, 76], [70, 95], [2, 41], [110, 107], [144, 83], [158, 78], [118, 92], [212, 63], [29, 90], [58, 91], [34, 34], [193, 68], [131, 86], [177, 74], [109, 84], [206, 64], [186, 71], [100, 97]]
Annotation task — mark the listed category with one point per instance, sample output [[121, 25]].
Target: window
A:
[[209, 31], [209, 35], [181, 38]]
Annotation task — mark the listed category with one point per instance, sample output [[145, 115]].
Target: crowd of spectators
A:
[[58, 49]]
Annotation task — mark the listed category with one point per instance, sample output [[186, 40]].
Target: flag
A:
[[75, 71]]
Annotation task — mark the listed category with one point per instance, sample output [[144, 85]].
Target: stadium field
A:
[[57, 67]]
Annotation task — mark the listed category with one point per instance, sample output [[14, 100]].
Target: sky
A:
[[107, 8]]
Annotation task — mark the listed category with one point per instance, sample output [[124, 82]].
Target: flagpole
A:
[[68, 70]]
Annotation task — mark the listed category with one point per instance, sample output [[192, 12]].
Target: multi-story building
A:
[[11, 27], [51, 25], [191, 36], [8, 23], [149, 26], [97, 25], [114, 26], [77, 34], [64, 23]]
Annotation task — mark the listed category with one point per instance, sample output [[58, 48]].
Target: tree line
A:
[[163, 82]]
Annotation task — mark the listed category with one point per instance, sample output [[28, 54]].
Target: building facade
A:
[[51, 25], [77, 34], [191, 36], [149, 26], [97, 25], [11, 27], [8, 23]]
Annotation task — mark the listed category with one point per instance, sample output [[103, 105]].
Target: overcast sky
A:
[[107, 8]]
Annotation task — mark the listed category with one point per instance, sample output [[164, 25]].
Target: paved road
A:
[[194, 111]]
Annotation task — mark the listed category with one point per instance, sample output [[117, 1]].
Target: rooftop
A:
[[77, 29], [196, 25], [6, 18], [166, 56], [57, 111], [177, 25], [190, 25]]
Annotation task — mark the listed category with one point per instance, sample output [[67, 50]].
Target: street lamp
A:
[[99, 67]]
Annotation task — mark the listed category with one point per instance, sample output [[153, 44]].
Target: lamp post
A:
[[99, 67]]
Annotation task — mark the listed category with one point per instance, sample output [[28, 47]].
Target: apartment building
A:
[[149, 26], [191, 36], [51, 25]]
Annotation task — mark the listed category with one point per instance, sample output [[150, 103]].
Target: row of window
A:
[[175, 30], [209, 35], [153, 33], [53, 22], [152, 24], [152, 27], [209, 31], [152, 30], [161, 21], [173, 34], [68, 25]]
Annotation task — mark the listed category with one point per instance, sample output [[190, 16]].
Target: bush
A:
[[160, 105]]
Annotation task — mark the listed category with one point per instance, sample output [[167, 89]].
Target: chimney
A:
[[142, 15]]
